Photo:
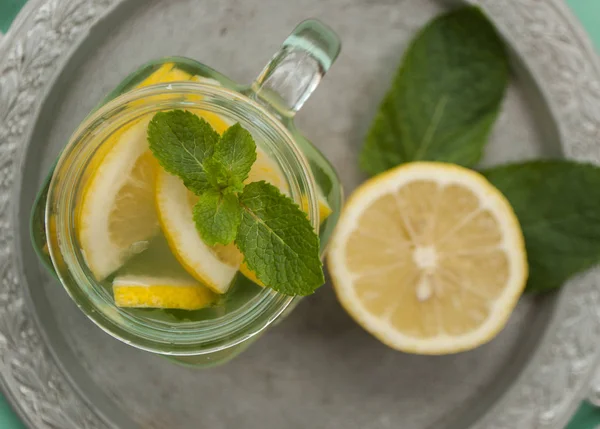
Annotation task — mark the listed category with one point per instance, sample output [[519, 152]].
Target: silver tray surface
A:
[[317, 368]]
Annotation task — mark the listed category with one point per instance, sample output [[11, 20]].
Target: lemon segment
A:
[[429, 258], [168, 72], [324, 209], [157, 76], [116, 214], [265, 168], [157, 292], [250, 275], [174, 207], [215, 121]]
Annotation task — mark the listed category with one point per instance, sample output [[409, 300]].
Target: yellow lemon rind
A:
[[179, 237], [134, 292]]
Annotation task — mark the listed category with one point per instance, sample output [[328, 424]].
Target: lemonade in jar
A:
[[187, 213]]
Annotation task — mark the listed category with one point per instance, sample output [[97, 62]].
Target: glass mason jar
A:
[[266, 108]]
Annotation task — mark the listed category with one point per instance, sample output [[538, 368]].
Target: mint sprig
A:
[[441, 107], [182, 144], [237, 152], [273, 233]]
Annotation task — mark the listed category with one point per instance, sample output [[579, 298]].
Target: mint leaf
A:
[[217, 217], [275, 236], [558, 206], [181, 141], [278, 242], [221, 178], [445, 96], [236, 151]]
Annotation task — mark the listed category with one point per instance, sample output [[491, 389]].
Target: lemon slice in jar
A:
[[116, 215], [161, 292], [215, 266]]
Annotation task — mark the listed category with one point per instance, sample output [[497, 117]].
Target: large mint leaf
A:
[[236, 151], [445, 96], [217, 217], [558, 206], [181, 141], [278, 242]]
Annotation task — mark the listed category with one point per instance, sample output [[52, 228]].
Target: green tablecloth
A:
[[588, 11]]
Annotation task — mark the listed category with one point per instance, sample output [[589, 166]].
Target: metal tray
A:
[[317, 369]]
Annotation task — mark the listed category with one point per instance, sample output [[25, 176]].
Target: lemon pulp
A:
[[429, 258]]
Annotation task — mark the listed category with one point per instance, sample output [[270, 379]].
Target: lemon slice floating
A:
[[116, 215], [214, 267], [161, 292], [429, 258]]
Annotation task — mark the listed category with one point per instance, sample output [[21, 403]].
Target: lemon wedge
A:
[[116, 215], [429, 258], [161, 292]]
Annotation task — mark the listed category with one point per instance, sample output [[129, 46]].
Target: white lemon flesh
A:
[[117, 215]]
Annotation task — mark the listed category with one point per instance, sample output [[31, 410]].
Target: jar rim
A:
[[192, 339]]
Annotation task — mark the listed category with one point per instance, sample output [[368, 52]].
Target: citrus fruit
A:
[[429, 258], [167, 72], [116, 214], [215, 267], [161, 292]]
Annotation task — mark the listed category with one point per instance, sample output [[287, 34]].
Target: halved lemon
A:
[[116, 215], [429, 258], [161, 292]]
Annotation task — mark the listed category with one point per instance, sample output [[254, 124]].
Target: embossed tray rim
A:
[[535, 400]]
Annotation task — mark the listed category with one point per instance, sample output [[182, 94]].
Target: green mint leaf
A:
[[236, 151], [181, 141], [278, 242], [221, 178], [217, 217], [444, 98], [558, 206]]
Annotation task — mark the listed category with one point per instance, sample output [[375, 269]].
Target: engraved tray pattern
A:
[[560, 58]]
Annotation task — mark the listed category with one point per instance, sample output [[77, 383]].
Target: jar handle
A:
[[296, 70]]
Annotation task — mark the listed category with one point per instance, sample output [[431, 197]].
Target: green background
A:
[[588, 11]]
